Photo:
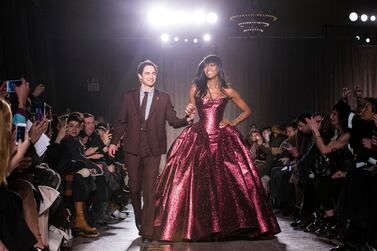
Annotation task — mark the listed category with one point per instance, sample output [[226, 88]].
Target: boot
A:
[[80, 222]]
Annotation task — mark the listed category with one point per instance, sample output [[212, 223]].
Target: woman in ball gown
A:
[[209, 189]]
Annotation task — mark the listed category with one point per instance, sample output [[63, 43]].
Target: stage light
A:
[[212, 18], [176, 39], [357, 37], [373, 18], [186, 40], [195, 40], [165, 38], [367, 40], [364, 17], [353, 16], [199, 17], [164, 16], [207, 37], [157, 16]]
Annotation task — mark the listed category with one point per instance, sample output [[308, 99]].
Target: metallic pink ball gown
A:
[[209, 189]]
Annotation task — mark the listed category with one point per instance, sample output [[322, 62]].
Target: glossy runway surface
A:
[[124, 236]]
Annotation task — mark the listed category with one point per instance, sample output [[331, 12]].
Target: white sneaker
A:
[[118, 214]]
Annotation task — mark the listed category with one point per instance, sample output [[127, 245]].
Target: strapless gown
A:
[[209, 189]]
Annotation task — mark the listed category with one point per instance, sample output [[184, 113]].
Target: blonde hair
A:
[[5, 139]]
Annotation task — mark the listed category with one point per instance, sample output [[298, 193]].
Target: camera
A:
[[11, 85], [20, 132]]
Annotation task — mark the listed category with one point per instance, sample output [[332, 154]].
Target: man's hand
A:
[[111, 168], [112, 149], [338, 174], [62, 134], [37, 129], [95, 156], [38, 90], [22, 92], [106, 137], [90, 151]]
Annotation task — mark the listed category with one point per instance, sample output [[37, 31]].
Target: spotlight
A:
[[165, 38], [176, 39], [195, 40], [211, 18], [207, 37], [186, 40], [353, 16], [199, 17], [364, 17], [367, 40], [357, 37], [373, 18], [158, 16]]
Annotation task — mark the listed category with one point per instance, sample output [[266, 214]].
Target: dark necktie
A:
[[143, 107]]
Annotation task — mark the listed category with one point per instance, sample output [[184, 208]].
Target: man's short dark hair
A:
[[142, 65], [304, 116], [74, 117], [88, 115]]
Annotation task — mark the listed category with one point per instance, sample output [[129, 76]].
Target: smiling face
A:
[[148, 76], [210, 70]]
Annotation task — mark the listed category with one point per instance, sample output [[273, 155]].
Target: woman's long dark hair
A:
[[201, 79], [344, 111]]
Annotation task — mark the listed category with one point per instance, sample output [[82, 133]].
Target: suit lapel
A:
[[136, 99], [155, 101]]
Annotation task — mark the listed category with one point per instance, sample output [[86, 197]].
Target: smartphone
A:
[[20, 132], [11, 85], [47, 112], [39, 112]]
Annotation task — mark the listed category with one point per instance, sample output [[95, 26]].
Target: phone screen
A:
[[20, 132], [39, 112], [47, 112], [11, 85]]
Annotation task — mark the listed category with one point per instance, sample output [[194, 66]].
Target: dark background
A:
[[299, 64]]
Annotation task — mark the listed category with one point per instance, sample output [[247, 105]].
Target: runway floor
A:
[[124, 236]]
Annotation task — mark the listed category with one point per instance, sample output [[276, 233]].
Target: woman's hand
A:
[[190, 109], [225, 123], [370, 144], [22, 147]]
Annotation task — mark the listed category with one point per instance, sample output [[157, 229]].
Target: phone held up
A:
[[11, 85], [20, 132]]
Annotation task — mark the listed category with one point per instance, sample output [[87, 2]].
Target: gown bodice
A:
[[211, 113]]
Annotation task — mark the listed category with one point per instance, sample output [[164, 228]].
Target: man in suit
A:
[[142, 118]]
